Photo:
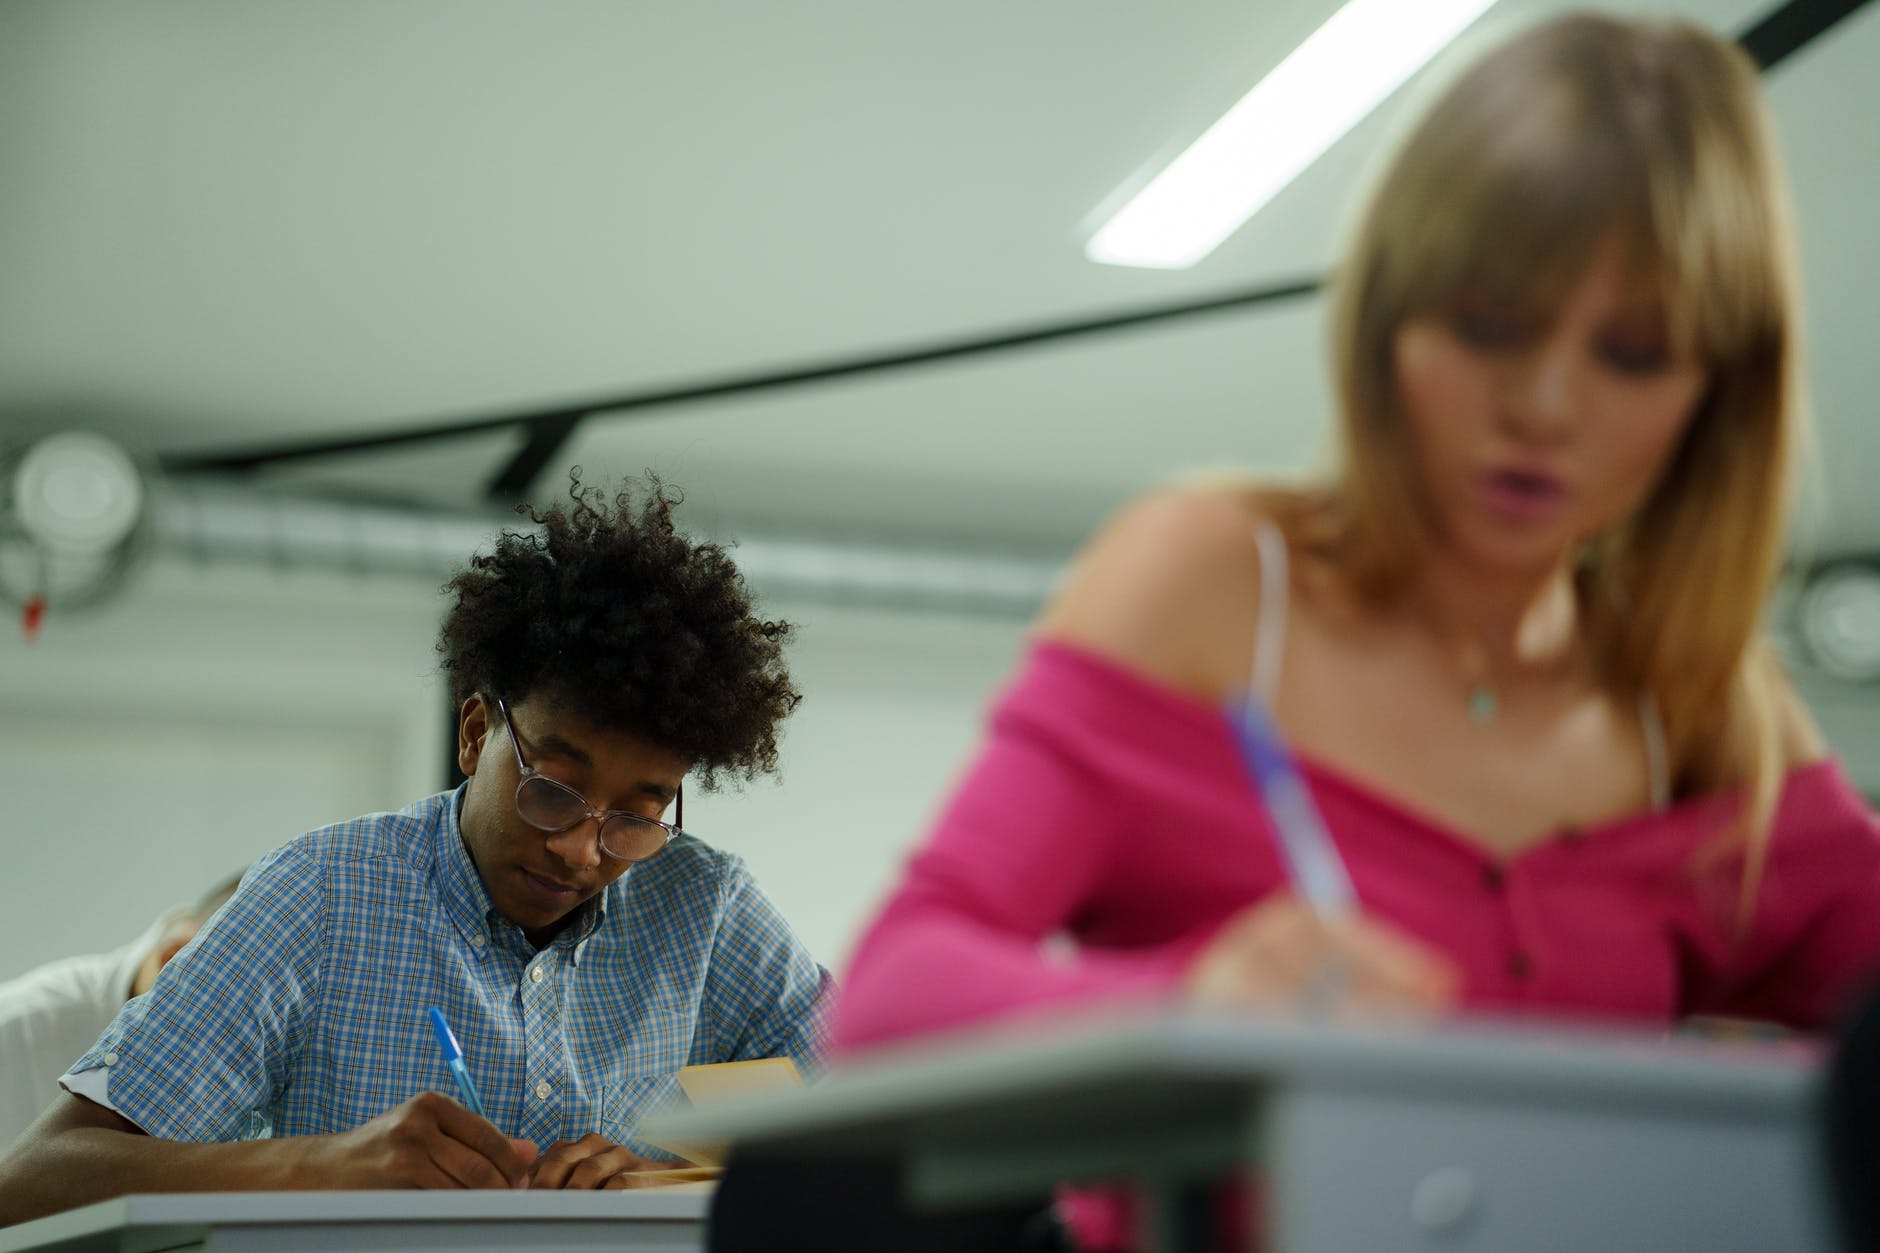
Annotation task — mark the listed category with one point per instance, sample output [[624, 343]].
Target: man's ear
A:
[[473, 730]]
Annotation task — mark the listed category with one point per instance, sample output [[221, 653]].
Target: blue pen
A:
[[447, 1040], [1317, 870]]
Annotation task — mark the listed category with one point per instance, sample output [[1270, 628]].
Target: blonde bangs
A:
[[1514, 212]]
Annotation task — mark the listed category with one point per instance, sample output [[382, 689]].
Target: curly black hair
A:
[[614, 615]]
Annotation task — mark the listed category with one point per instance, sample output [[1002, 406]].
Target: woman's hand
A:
[[1279, 955]]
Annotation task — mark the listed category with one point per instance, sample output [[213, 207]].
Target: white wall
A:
[[154, 747]]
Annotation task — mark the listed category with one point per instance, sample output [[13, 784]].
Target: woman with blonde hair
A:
[[1512, 640]]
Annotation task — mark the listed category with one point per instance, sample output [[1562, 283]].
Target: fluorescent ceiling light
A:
[[1328, 84]]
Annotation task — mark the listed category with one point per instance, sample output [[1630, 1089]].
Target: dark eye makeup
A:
[[1490, 327], [1634, 345]]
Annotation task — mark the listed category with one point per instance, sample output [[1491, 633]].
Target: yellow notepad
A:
[[705, 1084]]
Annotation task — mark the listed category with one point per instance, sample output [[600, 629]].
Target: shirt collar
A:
[[465, 898]]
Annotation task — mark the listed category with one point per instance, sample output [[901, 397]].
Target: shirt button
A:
[[542, 1090], [1494, 878], [535, 973], [476, 941], [1520, 965], [110, 1059]]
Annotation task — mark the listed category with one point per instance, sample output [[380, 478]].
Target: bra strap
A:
[[1657, 763], [1269, 636]]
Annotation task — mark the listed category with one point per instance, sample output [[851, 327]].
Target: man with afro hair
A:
[[583, 946]]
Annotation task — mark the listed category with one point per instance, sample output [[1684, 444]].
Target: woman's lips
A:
[[1523, 495]]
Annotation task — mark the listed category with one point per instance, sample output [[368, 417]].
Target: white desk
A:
[[1454, 1140], [651, 1221]]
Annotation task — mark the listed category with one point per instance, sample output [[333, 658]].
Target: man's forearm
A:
[[79, 1152], [63, 1168]]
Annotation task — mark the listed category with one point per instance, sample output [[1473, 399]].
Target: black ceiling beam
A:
[[561, 421], [513, 479], [545, 440], [1791, 27], [1778, 35]]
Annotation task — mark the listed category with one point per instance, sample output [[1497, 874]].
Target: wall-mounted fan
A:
[[74, 513], [1838, 619]]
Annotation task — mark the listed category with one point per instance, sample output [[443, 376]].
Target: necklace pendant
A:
[[1482, 704]]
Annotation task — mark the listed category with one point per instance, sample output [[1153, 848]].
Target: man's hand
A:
[[593, 1162], [428, 1142]]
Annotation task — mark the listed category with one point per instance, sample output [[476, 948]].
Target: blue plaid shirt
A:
[[300, 1008]]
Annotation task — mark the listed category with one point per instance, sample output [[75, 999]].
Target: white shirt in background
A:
[[50, 1015]]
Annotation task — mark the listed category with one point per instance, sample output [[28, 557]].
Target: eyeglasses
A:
[[550, 806]]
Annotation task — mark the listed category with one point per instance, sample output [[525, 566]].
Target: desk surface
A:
[[159, 1222], [1145, 1067]]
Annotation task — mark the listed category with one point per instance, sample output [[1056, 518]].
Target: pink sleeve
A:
[[1025, 840], [1815, 945]]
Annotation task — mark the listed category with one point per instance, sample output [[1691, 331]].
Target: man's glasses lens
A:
[[548, 806], [632, 839]]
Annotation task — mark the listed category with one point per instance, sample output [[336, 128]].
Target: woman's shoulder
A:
[[1170, 586]]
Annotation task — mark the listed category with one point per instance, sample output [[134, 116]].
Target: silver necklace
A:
[[1484, 706]]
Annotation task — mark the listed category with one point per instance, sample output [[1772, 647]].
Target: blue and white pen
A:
[[453, 1055], [1318, 872]]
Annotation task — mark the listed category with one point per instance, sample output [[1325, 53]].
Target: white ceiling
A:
[[225, 222]]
